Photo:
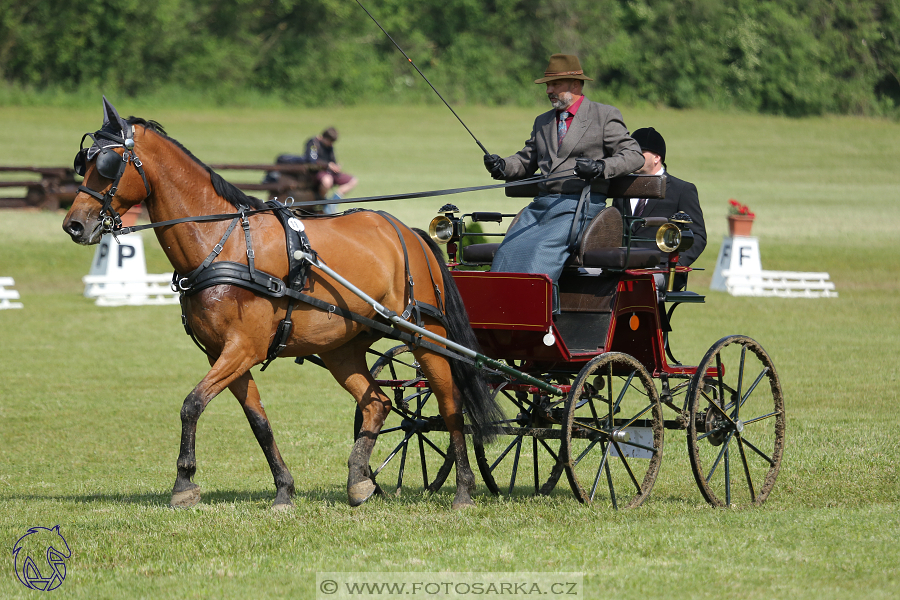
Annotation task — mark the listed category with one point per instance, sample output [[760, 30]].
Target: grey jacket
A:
[[597, 131]]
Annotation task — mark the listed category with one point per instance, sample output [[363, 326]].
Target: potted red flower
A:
[[740, 219]]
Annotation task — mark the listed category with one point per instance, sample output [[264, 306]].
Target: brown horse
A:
[[136, 161]]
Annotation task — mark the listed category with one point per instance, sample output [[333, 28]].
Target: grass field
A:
[[90, 400]]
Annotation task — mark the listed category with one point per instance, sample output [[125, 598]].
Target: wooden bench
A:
[[52, 188]]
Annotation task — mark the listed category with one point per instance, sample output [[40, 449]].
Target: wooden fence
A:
[[52, 188]]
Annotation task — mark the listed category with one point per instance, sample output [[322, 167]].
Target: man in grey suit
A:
[[583, 139]]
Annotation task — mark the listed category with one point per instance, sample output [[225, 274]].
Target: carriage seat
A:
[[599, 246]]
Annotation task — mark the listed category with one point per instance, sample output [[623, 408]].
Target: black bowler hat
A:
[[650, 139]]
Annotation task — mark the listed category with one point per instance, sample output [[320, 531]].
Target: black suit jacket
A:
[[680, 196]]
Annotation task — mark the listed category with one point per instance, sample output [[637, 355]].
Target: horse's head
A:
[[114, 180]]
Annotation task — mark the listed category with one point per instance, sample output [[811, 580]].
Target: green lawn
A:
[[89, 406]]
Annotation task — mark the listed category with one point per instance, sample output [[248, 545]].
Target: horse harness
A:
[[111, 166], [211, 273]]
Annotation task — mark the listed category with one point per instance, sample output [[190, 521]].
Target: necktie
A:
[[639, 209], [561, 127]]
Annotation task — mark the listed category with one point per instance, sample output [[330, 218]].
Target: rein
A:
[[409, 196]]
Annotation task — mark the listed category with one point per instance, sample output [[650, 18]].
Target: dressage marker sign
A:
[[739, 272], [119, 276], [6, 296]]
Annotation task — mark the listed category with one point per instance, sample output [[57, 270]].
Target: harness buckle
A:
[[276, 286], [217, 249], [183, 285]]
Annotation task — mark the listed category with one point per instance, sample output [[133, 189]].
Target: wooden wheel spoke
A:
[[401, 445], [615, 409], [713, 404], [762, 418], [719, 458], [746, 469], [634, 480], [603, 466], [762, 454], [755, 383], [548, 449], [430, 443], [586, 451], [740, 381], [646, 409], [402, 468], [504, 453], [515, 466]]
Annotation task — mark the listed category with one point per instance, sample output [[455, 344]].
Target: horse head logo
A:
[[40, 558]]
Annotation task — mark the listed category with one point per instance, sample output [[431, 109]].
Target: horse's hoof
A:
[[283, 507], [185, 499], [461, 504], [360, 492]]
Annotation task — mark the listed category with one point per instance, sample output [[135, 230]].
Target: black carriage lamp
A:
[[444, 229], [674, 238]]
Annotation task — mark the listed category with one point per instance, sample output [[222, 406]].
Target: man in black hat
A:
[[681, 196], [582, 140]]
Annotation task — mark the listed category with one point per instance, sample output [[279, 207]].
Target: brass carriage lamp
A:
[[444, 229], [674, 238]]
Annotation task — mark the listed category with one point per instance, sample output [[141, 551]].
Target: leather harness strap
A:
[[211, 273]]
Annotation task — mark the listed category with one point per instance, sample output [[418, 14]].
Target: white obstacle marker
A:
[[118, 275], [739, 272], [6, 296]]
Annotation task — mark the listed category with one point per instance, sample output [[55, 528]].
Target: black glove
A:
[[589, 169], [494, 165]]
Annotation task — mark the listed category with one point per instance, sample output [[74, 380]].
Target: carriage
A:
[[576, 364], [604, 383]]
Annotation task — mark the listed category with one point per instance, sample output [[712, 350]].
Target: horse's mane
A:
[[227, 190]]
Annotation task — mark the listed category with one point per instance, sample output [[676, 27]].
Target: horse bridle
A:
[[111, 166]]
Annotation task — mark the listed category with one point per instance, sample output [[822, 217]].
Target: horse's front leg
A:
[[244, 389], [186, 493], [437, 370], [348, 366]]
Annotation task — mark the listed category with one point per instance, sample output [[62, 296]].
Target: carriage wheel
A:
[[413, 445], [736, 423], [613, 442], [528, 455]]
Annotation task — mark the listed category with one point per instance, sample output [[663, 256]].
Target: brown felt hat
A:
[[330, 133], [563, 66]]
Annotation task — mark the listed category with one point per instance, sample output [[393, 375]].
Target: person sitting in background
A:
[[320, 150]]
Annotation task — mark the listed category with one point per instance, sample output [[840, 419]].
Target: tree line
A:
[[791, 57]]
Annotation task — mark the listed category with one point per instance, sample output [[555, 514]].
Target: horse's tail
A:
[[479, 404]]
